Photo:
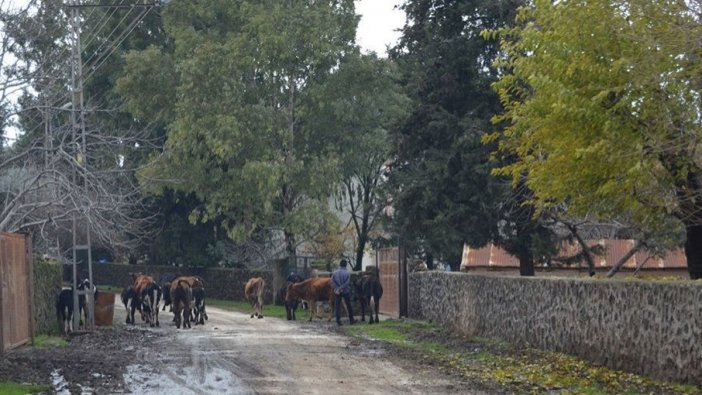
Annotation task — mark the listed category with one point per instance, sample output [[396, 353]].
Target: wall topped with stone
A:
[[650, 328]]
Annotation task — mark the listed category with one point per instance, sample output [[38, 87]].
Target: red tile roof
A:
[[493, 256]]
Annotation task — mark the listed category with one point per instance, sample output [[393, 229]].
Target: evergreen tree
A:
[[442, 188]]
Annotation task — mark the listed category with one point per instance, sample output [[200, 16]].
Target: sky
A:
[[378, 25]]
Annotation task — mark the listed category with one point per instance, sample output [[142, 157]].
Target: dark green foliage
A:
[[47, 285], [443, 191], [179, 241]]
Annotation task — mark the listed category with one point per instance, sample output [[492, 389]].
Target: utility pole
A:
[[78, 126], [80, 168]]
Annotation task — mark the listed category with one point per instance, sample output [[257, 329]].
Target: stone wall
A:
[[227, 284], [650, 328]]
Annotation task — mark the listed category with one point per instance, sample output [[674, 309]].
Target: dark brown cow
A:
[[182, 301], [368, 287], [253, 290], [193, 281], [312, 290]]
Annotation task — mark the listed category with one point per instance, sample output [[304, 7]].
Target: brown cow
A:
[[182, 301], [311, 291], [253, 290]]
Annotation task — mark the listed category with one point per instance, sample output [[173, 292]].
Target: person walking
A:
[[341, 284]]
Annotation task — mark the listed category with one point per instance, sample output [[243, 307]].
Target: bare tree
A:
[[54, 171]]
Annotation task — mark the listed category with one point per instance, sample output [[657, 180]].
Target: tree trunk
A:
[[526, 264], [693, 251], [359, 253], [586, 249], [623, 259]]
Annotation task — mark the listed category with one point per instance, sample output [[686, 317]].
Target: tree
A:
[[442, 189], [238, 138], [602, 111], [358, 105]]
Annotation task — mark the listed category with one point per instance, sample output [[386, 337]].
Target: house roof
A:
[[493, 256]]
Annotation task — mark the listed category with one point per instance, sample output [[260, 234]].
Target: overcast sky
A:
[[378, 25]]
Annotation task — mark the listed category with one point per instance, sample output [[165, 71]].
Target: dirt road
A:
[[233, 354]]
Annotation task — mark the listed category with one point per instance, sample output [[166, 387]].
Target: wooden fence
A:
[[394, 297], [16, 317]]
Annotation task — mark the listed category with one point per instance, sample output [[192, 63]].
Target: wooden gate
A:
[[16, 318], [390, 278]]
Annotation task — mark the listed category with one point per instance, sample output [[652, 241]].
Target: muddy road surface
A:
[[230, 354], [234, 354]]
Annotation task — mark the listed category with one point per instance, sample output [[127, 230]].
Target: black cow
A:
[[64, 306], [368, 287], [64, 310], [292, 305], [199, 313], [182, 296], [165, 283], [131, 302]]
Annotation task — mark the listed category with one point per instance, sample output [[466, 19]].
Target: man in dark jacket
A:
[[341, 283]]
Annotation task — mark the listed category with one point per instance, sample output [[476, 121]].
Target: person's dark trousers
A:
[[337, 306]]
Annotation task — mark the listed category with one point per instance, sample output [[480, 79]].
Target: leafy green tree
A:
[[442, 188], [602, 111], [242, 70], [358, 104]]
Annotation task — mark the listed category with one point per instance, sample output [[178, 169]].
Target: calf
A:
[[82, 304], [290, 307], [253, 290], [181, 298], [312, 290]]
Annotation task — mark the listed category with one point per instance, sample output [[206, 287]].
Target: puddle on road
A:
[[182, 380], [59, 383]]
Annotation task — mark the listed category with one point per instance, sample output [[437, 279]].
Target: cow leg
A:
[[203, 313], [376, 302], [130, 317], [312, 308], [186, 318]]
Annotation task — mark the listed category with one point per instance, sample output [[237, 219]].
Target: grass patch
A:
[[399, 333], [515, 370], [9, 388], [110, 288], [42, 341]]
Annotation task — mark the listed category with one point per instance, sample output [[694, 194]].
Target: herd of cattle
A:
[[186, 297]]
